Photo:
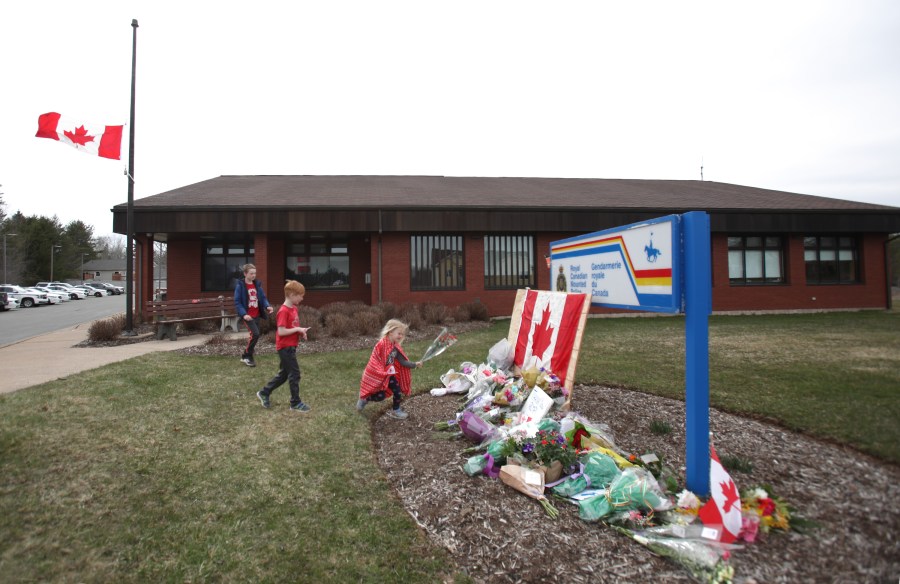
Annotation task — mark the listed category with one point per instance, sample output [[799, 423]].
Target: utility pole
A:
[[5, 281], [53, 249]]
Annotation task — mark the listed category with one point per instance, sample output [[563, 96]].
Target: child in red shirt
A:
[[286, 340]]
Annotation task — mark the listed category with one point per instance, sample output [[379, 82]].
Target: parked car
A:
[[113, 290], [101, 287], [73, 292], [42, 297], [7, 302], [55, 296], [26, 299], [91, 291], [119, 289]]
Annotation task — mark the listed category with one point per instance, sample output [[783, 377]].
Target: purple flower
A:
[[528, 448]]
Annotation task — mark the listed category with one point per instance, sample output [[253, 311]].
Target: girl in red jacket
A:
[[387, 373]]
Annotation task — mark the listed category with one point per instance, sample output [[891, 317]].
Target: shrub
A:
[[368, 321], [107, 329], [409, 313], [476, 310], [434, 312], [219, 339], [267, 323], [310, 317], [333, 308], [338, 325], [460, 314], [388, 310]]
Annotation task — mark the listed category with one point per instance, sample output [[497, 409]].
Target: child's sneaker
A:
[[398, 414], [360, 404], [301, 407], [263, 398], [248, 362]]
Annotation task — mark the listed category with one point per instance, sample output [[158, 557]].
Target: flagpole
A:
[[129, 217]]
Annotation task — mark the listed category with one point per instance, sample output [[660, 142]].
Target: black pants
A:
[[288, 370], [395, 389], [253, 328]]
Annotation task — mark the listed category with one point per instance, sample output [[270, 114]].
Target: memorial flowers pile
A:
[[523, 436]]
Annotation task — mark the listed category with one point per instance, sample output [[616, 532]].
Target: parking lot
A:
[[24, 323]]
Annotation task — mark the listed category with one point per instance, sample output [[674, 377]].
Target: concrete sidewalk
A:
[[53, 355]]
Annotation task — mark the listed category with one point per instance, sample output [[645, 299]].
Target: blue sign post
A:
[[662, 265], [697, 308]]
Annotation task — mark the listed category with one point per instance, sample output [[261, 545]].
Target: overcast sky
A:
[[800, 96]]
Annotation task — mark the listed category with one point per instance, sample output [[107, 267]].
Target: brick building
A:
[[459, 239]]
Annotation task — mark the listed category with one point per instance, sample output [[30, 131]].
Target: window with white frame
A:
[[319, 262], [755, 259], [831, 259]]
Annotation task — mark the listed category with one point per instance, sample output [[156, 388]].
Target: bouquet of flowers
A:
[[547, 448], [703, 561], [762, 511], [634, 489], [440, 344], [529, 482]]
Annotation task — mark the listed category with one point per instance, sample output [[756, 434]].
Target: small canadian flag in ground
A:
[[90, 138], [722, 513]]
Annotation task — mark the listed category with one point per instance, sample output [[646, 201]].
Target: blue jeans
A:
[[288, 370]]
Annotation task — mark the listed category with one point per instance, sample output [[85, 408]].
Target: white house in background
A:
[[104, 271], [113, 271]]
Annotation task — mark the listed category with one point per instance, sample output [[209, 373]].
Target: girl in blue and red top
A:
[[387, 373], [251, 304]]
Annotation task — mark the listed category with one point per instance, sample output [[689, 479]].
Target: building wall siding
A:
[[184, 265], [796, 294]]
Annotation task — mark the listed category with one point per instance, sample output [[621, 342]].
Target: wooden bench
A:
[[168, 313]]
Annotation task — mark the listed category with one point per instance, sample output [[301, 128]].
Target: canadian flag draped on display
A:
[[722, 512], [95, 139], [548, 325]]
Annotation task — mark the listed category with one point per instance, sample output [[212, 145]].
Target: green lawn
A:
[[165, 467]]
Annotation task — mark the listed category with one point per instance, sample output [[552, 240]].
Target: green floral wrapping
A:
[[496, 449], [475, 465], [599, 468], [548, 425], [634, 489]]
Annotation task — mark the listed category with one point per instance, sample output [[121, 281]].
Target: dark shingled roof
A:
[[420, 192]]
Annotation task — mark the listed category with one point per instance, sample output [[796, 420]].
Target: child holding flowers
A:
[[387, 373]]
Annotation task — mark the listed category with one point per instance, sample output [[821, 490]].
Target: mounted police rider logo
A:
[[652, 253]]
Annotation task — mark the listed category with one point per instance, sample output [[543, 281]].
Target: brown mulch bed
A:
[[496, 534]]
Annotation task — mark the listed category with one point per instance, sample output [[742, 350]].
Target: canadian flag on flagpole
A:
[[721, 515], [547, 327], [95, 139]]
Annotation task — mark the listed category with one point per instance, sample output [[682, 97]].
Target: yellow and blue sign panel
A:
[[634, 267]]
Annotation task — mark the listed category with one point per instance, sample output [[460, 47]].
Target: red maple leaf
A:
[[729, 490], [79, 136], [543, 333]]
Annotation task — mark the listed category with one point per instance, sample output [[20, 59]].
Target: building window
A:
[[319, 263], [831, 260], [437, 262], [223, 264], [508, 262], [755, 260]]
